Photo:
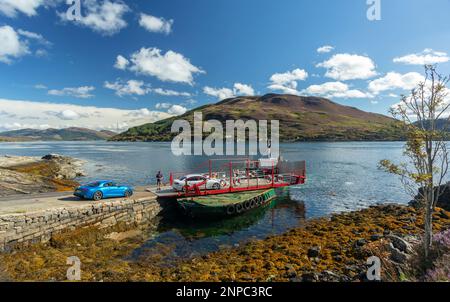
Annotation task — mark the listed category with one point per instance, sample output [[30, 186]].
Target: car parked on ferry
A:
[[204, 182], [97, 190]]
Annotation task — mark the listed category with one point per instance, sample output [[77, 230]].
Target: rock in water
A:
[[25, 175], [443, 200], [52, 157], [68, 168]]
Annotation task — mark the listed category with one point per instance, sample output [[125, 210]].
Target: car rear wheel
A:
[[216, 186], [128, 193], [98, 196]]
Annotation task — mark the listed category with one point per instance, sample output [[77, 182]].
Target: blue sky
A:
[[175, 55]]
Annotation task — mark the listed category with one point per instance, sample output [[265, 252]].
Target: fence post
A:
[[273, 175], [231, 176], [210, 172]]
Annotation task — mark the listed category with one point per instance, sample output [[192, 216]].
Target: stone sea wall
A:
[[19, 229]]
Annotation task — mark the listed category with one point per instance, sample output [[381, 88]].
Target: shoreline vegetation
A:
[[332, 248], [30, 175]]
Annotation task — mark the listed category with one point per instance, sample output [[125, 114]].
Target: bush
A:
[[440, 268]]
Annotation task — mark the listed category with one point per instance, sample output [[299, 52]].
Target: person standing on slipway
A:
[[159, 178]]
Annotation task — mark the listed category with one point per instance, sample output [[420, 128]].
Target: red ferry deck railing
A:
[[240, 170]]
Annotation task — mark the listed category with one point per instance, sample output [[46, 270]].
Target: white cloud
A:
[[163, 106], [17, 126], [427, 94], [287, 82], [83, 92], [34, 36], [288, 77], [40, 86], [239, 89], [121, 62], [220, 93], [29, 114], [128, 88], [142, 112], [394, 80], [11, 45], [105, 17], [243, 89], [41, 53], [11, 8], [15, 44], [335, 90], [346, 66], [190, 102], [325, 49], [155, 24], [285, 89], [168, 92], [171, 66], [172, 109], [68, 115], [177, 110], [426, 57]]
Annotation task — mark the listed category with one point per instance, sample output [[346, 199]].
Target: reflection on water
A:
[[185, 238], [340, 177]]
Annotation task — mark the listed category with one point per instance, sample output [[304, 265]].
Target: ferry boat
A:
[[227, 176], [231, 187]]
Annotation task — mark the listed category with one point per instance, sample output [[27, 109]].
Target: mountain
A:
[[68, 134], [301, 119]]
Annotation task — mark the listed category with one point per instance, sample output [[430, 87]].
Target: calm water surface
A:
[[341, 177]]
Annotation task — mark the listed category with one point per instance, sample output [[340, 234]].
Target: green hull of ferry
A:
[[226, 205]]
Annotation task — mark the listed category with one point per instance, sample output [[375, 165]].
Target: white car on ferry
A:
[[198, 179]]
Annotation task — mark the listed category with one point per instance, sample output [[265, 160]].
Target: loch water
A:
[[341, 176]]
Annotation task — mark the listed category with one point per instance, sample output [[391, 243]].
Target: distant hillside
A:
[[68, 134], [301, 119], [441, 124]]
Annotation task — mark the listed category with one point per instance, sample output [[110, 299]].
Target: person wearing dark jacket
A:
[[159, 178]]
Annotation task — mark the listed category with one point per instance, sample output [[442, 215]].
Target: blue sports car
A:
[[98, 190]]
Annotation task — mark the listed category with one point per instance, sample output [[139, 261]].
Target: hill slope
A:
[[68, 134], [301, 119]]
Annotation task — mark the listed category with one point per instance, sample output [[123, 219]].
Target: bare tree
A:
[[425, 117]]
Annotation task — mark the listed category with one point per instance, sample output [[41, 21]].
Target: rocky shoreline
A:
[[26, 175], [328, 249]]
